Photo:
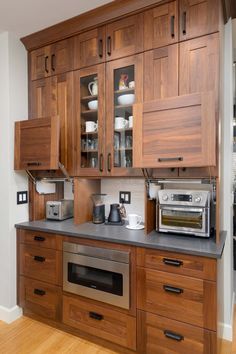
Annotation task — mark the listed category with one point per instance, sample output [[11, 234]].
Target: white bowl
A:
[[126, 99], [93, 104]]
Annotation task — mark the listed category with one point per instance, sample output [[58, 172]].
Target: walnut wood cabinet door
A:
[[62, 56], [41, 97], [90, 48], [90, 126], [124, 37], [175, 132], [124, 86], [197, 18], [39, 63], [161, 26], [161, 73]]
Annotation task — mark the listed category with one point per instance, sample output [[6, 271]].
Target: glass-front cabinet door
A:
[[124, 87], [90, 132]]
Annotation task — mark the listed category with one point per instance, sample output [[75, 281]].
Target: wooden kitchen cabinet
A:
[[175, 132], [161, 26], [51, 60], [198, 18], [37, 144]]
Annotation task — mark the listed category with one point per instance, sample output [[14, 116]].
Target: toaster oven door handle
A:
[[172, 289], [186, 209]]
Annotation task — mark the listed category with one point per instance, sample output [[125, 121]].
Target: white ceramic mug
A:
[[131, 121], [121, 123], [134, 220], [90, 127], [131, 84]]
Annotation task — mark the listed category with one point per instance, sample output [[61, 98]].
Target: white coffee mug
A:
[[131, 121], [134, 220], [90, 127], [131, 84], [121, 123]]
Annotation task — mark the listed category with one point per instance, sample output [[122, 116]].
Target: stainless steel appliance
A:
[[60, 210], [184, 211], [97, 273]]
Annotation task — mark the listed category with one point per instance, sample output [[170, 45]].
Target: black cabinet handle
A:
[[39, 259], [166, 159], [109, 45], [101, 162], [184, 22], [39, 238], [39, 292], [173, 335], [46, 64], [172, 289], [100, 48], [172, 262], [109, 162], [172, 26], [53, 62], [96, 316], [34, 163]]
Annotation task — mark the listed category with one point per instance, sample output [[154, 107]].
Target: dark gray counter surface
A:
[[119, 234]]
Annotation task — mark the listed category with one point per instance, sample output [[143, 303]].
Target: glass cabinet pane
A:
[[124, 97], [89, 121]]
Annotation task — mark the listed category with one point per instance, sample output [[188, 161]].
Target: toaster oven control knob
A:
[[165, 197], [198, 199]]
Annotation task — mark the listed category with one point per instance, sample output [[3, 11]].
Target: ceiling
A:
[[26, 16]]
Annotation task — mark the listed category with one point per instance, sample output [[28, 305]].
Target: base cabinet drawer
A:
[[41, 264], [159, 335], [111, 325], [41, 298], [41, 239], [177, 297]]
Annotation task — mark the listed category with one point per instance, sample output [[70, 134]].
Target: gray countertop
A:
[[119, 234]]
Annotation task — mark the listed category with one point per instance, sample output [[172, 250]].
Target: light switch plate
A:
[[125, 197], [22, 197]]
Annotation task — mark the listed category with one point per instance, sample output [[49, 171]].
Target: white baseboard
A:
[[226, 330], [10, 315]]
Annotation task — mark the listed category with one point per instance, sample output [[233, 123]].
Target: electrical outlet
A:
[[22, 197], [125, 197]]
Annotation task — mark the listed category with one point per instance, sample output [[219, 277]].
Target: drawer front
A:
[[41, 239], [41, 264], [159, 335], [177, 297], [193, 266], [40, 298], [102, 322]]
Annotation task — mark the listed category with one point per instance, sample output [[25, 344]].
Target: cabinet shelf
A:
[[124, 106], [124, 149], [89, 151], [91, 133], [91, 112], [123, 130], [89, 98], [128, 90]]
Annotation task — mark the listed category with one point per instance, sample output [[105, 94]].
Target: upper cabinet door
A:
[[37, 144], [161, 26], [199, 65], [41, 98], [198, 17], [124, 37], [175, 132], [62, 56], [90, 48], [40, 63], [161, 73]]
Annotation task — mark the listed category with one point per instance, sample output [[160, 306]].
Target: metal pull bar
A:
[[172, 26], [53, 62], [39, 292], [109, 45], [39, 259], [172, 262], [109, 162], [39, 238], [34, 163], [172, 289], [166, 159], [101, 161], [173, 335], [184, 22], [96, 316], [100, 48], [46, 64]]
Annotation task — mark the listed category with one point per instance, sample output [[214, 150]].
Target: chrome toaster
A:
[[60, 210]]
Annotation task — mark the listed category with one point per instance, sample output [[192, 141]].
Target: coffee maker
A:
[[98, 208]]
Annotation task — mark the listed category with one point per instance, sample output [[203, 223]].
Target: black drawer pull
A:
[[101, 163], [39, 292], [172, 262], [109, 162], [172, 289], [166, 159], [39, 259], [184, 22], [96, 316], [109, 45], [39, 238], [100, 48], [53, 64], [34, 163], [46, 64], [172, 26], [173, 335]]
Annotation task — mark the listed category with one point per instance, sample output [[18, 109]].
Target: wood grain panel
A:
[[153, 332], [62, 56], [42, 99], [161, 26], [40, 239], [118, 329], [190, 303], [193, 266], [39, 62]]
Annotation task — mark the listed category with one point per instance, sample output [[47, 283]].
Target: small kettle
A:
[[114, 216], [93, 87]]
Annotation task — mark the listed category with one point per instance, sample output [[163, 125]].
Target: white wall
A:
[[14, 98]]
